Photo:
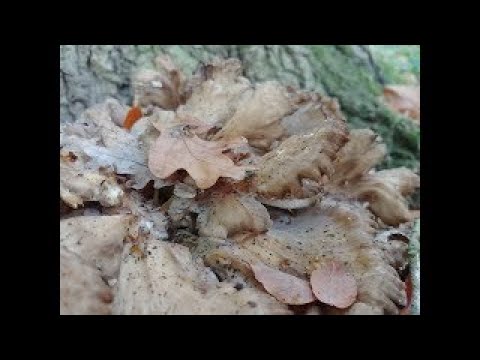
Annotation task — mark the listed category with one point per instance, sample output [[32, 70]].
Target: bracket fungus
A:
[[215, 195]]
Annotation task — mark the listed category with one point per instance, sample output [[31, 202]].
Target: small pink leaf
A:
[[284, 287], [332, 285]]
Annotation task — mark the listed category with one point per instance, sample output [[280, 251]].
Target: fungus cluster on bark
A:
[[213, 195]]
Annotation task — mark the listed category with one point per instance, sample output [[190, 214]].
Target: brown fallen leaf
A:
[[133, 115], [178, 148], [403, 99], [284, 287], [332, 285]]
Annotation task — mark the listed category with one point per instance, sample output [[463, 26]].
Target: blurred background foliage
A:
[[400, 64]]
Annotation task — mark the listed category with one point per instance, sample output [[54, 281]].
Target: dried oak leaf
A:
[[177, 148], [82, 290], [226, 215], [333, 285], [284, 287], [300, 156], [258, 114]]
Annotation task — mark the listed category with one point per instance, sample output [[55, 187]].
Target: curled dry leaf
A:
[[333, 285], [204, 160], [284, 287]]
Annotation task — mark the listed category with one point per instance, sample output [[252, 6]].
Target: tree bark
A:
[[91, 73]]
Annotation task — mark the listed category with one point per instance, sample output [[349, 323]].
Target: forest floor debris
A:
[[213, 195]]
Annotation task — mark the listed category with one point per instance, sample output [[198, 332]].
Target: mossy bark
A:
[[90, 73]]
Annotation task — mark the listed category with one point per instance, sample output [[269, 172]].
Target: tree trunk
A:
[[91, 73]]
